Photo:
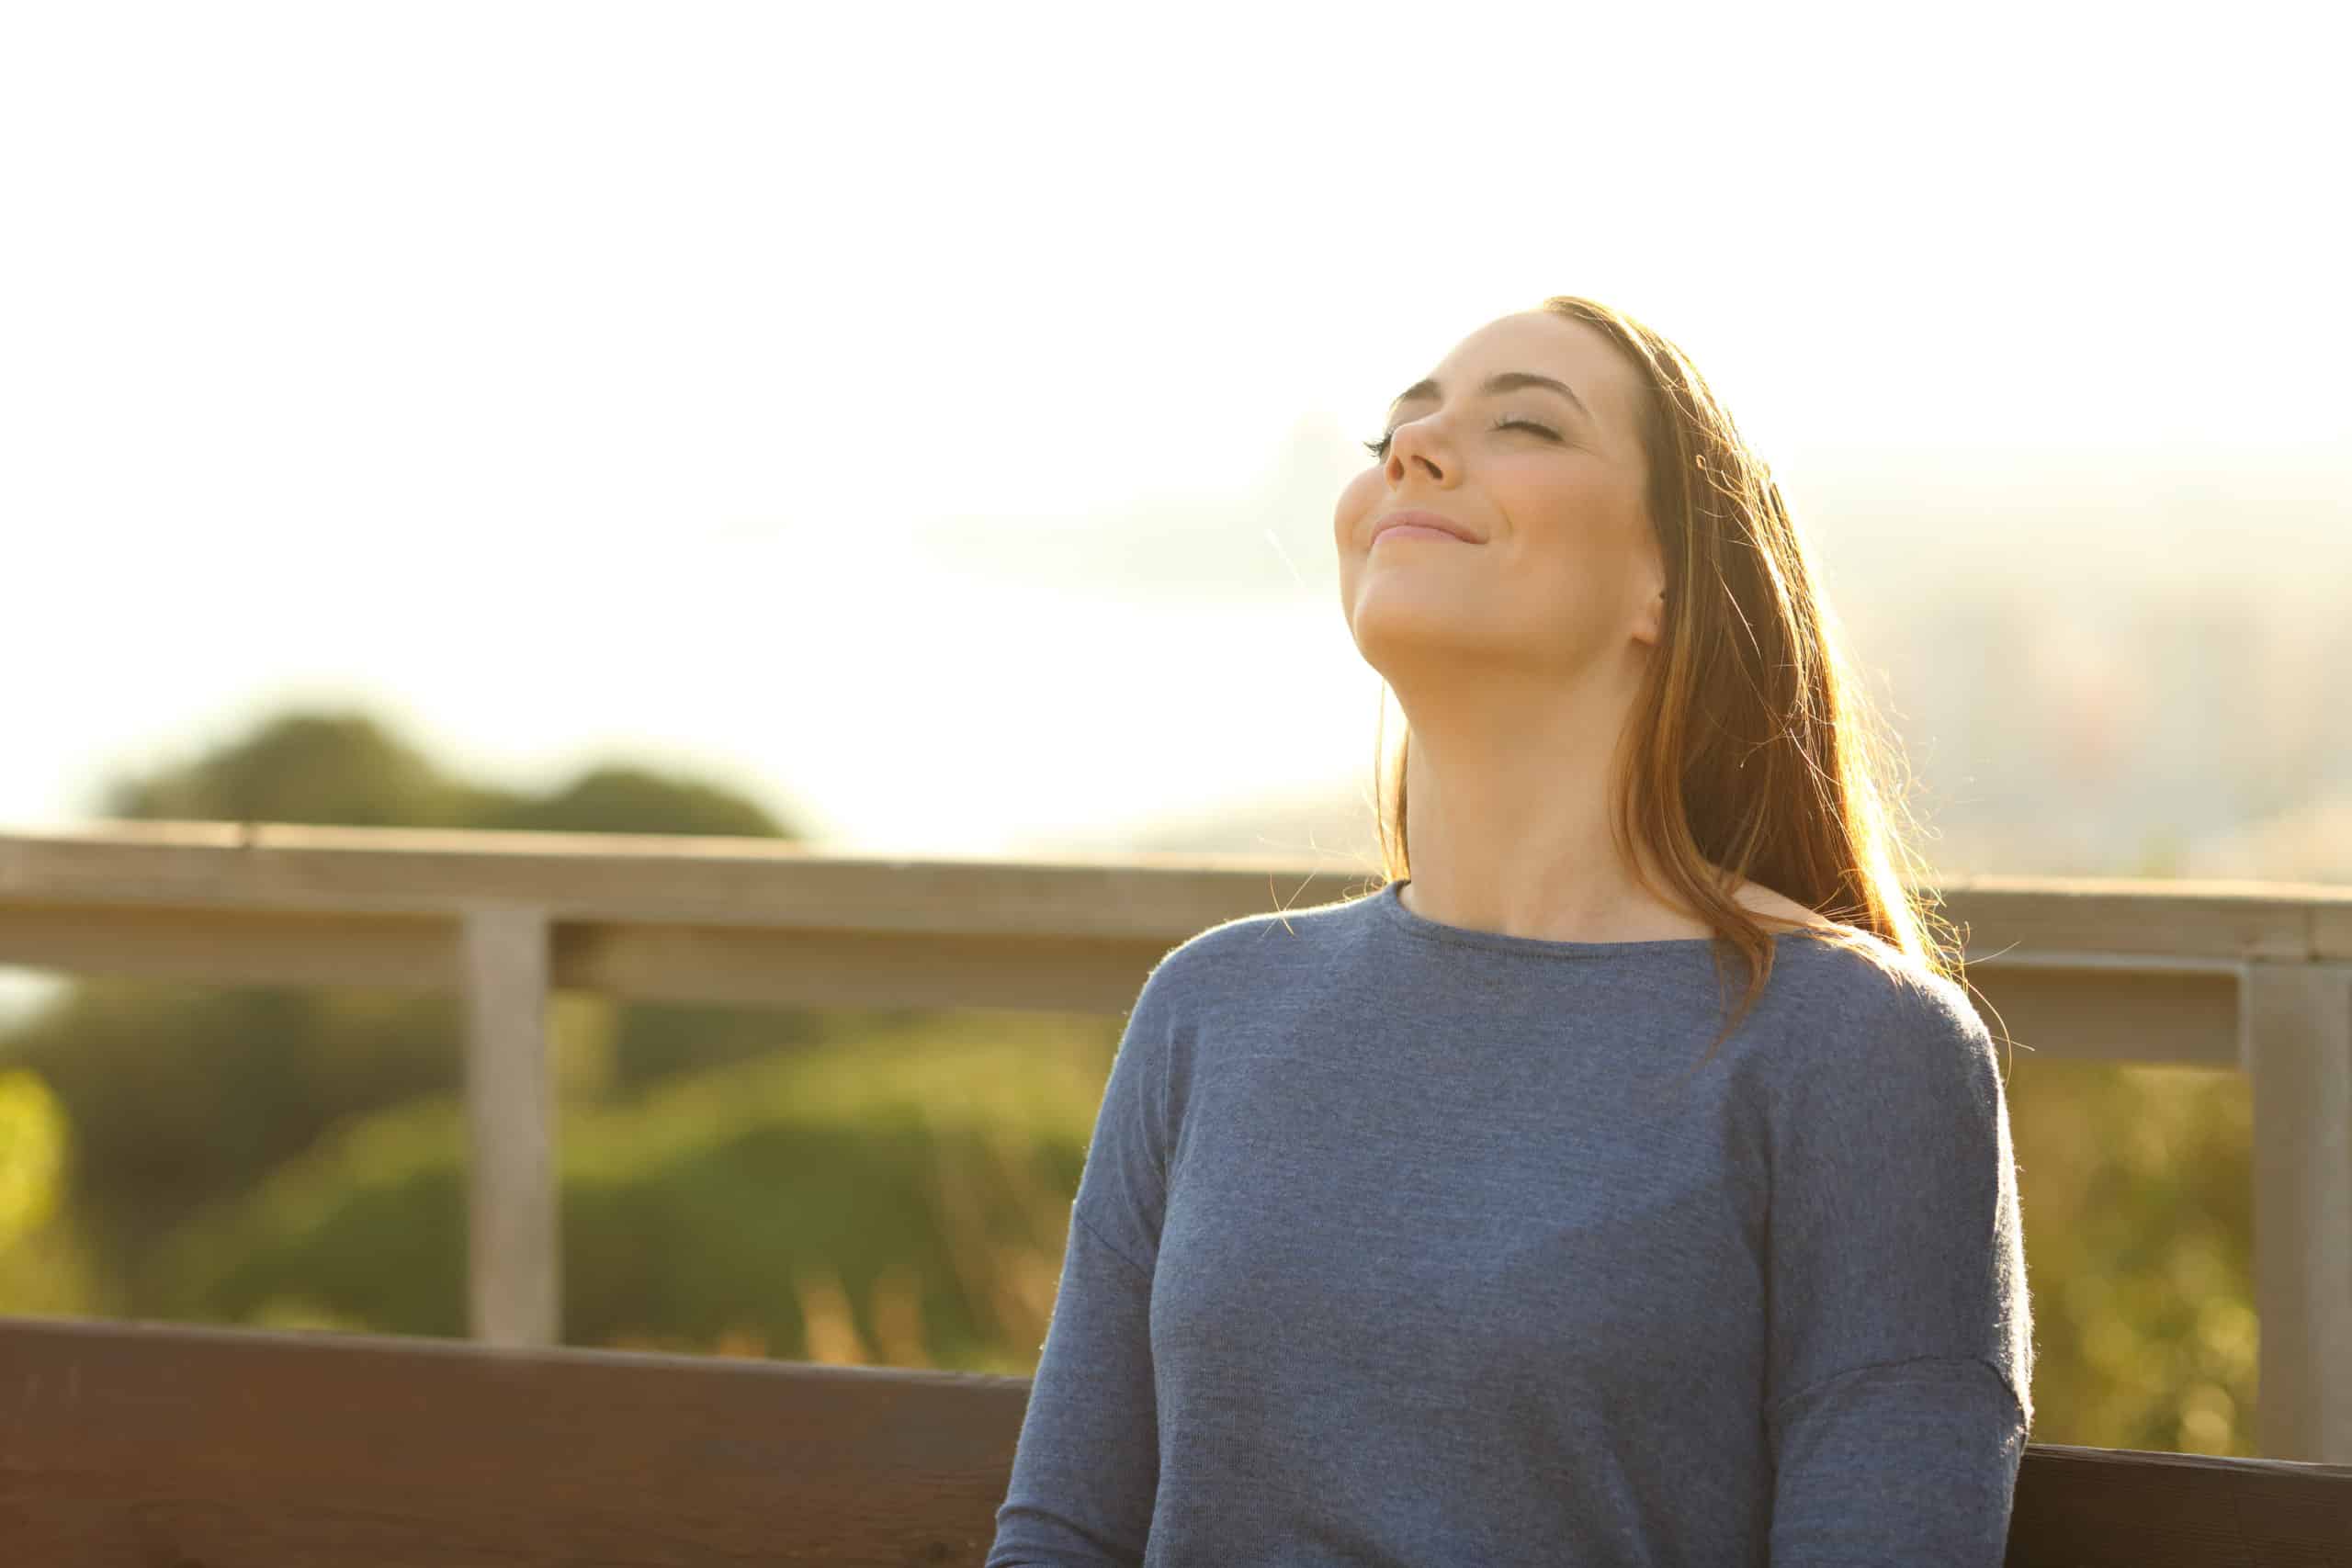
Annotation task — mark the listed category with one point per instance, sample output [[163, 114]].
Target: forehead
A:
[[1550, 344]]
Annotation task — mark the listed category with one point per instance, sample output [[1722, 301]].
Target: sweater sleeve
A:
[[1086, 1471], [1899, 1376]]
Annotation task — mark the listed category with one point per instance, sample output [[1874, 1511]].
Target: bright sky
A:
[[929, 419]]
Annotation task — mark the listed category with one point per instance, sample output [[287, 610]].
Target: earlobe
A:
[[1653, 630]]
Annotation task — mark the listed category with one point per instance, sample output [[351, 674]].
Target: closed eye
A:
[[1525, 424], [1379, 449]]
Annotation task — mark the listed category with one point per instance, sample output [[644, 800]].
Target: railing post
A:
[[514, 1280], [2296, 1032]]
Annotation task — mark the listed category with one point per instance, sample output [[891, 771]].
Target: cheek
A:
[[1572, 516], [1355, 505], [1576, 542]]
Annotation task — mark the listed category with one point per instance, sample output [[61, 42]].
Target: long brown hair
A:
[[1752, 747]]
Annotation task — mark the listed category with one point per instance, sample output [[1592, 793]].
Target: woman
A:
[[1414, 1228]]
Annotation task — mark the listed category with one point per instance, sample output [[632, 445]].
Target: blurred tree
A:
[[2135, 1185], [345, 770], [182, 1095], [32, 1154], [630, 800], [327, 769], [42, 1269], [902, 1198]]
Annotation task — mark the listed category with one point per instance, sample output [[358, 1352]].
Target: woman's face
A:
[[1561, 566]]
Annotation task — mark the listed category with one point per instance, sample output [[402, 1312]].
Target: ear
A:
[[1649, 626]]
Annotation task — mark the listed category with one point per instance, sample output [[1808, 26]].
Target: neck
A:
[[1508, 807]]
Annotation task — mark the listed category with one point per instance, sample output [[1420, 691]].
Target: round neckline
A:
[[1391, 904]]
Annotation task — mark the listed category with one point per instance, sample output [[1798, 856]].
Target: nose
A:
[[1414, 441]]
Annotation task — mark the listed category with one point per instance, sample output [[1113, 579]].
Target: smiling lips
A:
[[1422, 525]]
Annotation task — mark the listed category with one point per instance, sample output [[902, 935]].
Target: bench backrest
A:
[[133, 1443]]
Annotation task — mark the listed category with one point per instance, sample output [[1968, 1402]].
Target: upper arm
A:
[[1895, 1230], [1910, 1462], [1899, 1376], [1085, 1472]]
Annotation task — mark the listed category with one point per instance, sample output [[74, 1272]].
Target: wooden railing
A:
[[2252, 977], [125, 1445]]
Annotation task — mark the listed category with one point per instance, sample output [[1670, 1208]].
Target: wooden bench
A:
[[133, 1445]]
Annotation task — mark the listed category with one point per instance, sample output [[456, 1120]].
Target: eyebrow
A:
[[1501, 381]]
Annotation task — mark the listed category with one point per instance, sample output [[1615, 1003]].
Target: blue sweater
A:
[[1401, 1243]]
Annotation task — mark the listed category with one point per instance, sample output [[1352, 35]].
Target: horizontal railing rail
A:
[[2248, 977], [167, 1443]]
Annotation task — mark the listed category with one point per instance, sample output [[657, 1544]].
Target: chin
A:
[[1387, 630]]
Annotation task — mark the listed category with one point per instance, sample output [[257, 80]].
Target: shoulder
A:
[[1876, 1035], [1241, 956]]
